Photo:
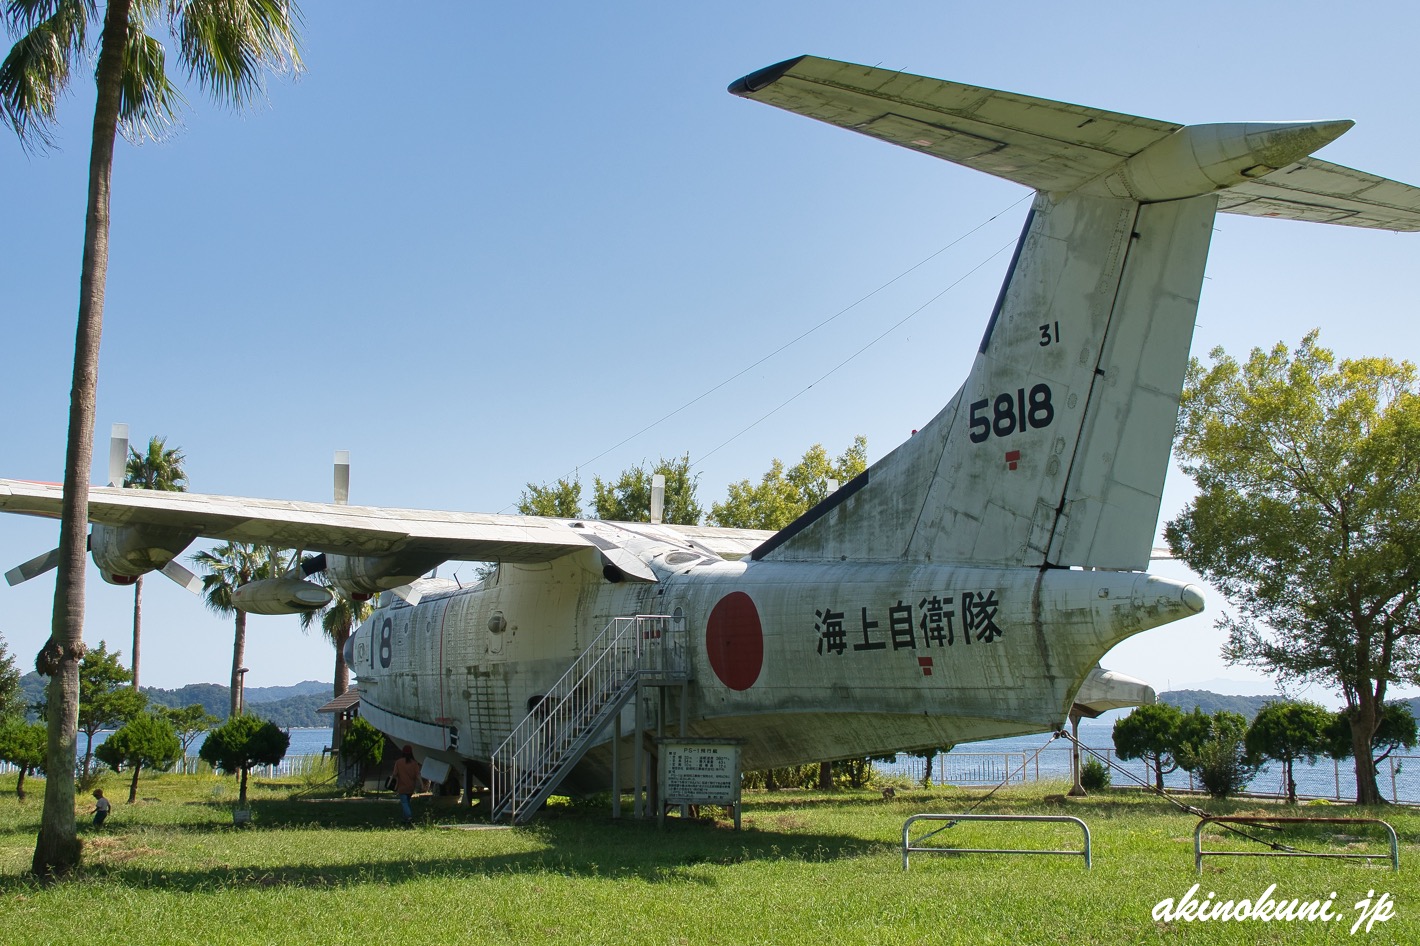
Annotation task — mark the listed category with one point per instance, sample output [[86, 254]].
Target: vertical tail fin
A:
[[1055, 449], [1054, 452]]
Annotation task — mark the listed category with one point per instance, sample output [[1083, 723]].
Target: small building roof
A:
[[342, 702]]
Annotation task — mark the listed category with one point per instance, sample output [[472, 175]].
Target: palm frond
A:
[[148, 101], [37, 69], [21, 16], [229, 45], [157, 468]]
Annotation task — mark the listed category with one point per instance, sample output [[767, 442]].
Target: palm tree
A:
[[227, 48], [159, 468], [338, 621], [229, 567]]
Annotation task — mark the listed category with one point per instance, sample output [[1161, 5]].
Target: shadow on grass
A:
[[573, 840], [627, 850]]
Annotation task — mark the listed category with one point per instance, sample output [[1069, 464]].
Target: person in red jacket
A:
[[407, 781]]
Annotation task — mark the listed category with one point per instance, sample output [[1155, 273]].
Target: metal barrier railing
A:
[[1199, 852], [911, 846]]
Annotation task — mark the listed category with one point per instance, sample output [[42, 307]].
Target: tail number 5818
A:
[[1007, 413]]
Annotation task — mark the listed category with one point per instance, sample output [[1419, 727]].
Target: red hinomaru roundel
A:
[[734, 641]]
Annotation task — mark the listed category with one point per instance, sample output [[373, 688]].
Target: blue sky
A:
[[486, 246]]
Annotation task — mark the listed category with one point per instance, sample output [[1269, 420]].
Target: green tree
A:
[[783, 495], [22, 745], [1214, 749], [160, 468], [107, 699], [1289, 732], [1150, 733], [363, 746], [242, 742], [228, 567], [146, 741], [1308, 519], [628, 498], [188, 722], [560, 500], [12, 695], [226, 48], [1396, 731]]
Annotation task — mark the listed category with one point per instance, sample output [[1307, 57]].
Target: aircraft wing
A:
[[1050, 146], [1321, 192], [342, 529], [724, 542], [323, 527]]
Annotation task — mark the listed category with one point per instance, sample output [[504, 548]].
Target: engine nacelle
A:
[[280, 596], [123, 553], [362, 576]]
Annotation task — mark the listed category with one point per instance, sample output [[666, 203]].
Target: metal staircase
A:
[[530, 764]]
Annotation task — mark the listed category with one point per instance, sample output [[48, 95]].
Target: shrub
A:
[[1094, 775]]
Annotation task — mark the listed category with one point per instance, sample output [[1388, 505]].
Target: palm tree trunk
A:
[[137, 624], [57, 846], [239, 650], [342, 683], [342, 669]]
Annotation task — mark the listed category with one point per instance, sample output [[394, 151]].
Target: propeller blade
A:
[[34, 567], [409, 594], [658, 497], [117, 454], [342, 477], [183, 577], [40, 564]]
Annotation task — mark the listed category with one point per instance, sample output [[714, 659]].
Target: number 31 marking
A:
[[1049, 333], [1012, 413]]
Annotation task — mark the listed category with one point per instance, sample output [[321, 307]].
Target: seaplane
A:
[[964, 587]]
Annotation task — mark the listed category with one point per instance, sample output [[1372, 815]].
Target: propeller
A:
[[117, 472]]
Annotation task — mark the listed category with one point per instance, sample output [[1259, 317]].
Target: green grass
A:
[[808, 868]]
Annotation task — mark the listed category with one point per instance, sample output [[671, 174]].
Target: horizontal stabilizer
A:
[[1321, 192], [1059, 148], [1047, 145]]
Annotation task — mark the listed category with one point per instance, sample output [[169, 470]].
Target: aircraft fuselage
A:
[[802, 661]]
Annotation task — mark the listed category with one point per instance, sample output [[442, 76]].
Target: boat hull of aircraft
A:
[[800, 662]]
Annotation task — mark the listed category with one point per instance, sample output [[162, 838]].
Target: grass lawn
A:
[[808, 868]]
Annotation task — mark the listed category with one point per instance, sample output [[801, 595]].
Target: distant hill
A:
[[305, 688], [286, 706], [1248, 706], [1211, 702]]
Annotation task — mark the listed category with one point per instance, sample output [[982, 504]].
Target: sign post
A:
[[700, 772]]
